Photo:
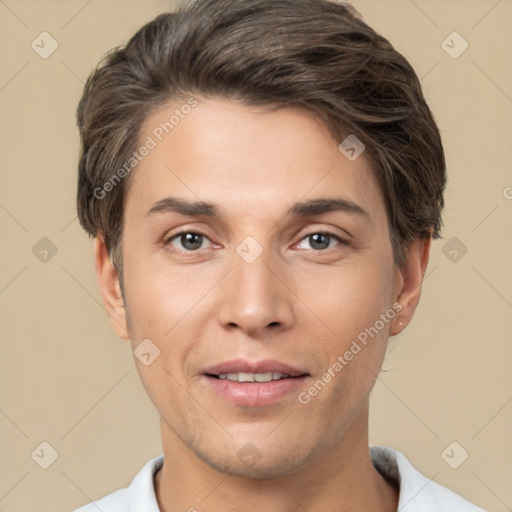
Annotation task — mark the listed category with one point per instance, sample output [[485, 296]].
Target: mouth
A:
[[252, 377], [254, 384]]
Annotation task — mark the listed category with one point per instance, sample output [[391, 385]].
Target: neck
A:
[[343, 479]]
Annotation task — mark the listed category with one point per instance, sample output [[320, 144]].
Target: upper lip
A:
[[246, 366]]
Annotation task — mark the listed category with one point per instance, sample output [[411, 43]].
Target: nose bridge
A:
[[253, 298]]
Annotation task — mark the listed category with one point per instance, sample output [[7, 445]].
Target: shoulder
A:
[[417, 492], [139, 495]]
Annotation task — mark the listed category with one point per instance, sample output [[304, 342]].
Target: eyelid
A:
[[341, 240], [335, 231], [171, 236]]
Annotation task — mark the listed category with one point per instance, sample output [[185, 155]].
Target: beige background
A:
[[67, 380]]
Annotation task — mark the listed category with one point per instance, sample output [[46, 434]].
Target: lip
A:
[[264, 366], [254, 394]]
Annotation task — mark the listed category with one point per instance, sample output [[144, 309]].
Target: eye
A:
[[191, 241], [321, 241], [187, 240]]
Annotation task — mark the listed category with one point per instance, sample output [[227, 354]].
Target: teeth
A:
[[263, 377], [245, 377], [253, 377]]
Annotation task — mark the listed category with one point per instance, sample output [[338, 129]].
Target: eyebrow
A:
[[301, 209]]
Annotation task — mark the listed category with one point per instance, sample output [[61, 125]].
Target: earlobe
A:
[[410, 279], [110, 288]]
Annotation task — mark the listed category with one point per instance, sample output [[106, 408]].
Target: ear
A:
[[409, 278], [110, 288]]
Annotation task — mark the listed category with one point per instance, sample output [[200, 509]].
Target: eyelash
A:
[[341, 241]]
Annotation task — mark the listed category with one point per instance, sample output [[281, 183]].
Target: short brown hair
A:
[[317, 54]]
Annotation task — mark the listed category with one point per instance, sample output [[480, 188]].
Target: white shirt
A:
[[417, 492]]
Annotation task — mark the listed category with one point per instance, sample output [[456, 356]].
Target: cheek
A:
[[350, 297], [160, 296], [350, 302], [168, 306]]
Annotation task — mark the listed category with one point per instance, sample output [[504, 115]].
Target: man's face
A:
[[263, 289]]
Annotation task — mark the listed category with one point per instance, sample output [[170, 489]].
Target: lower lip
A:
[[254, 394]]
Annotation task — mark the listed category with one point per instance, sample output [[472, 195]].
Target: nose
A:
[[254, 297]]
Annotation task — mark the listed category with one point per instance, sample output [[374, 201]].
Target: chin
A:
[[257, 471], [251, 462]]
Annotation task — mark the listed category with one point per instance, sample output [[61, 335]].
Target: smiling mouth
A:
[[247, 383], [259, 389], [254, 377]]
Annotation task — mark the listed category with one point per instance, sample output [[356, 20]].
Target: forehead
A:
[[247, 157]]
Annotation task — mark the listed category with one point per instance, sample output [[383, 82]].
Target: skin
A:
[[297, 302]]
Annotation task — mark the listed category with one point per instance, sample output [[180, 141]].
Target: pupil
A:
[[191, 241], [319, 241]]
